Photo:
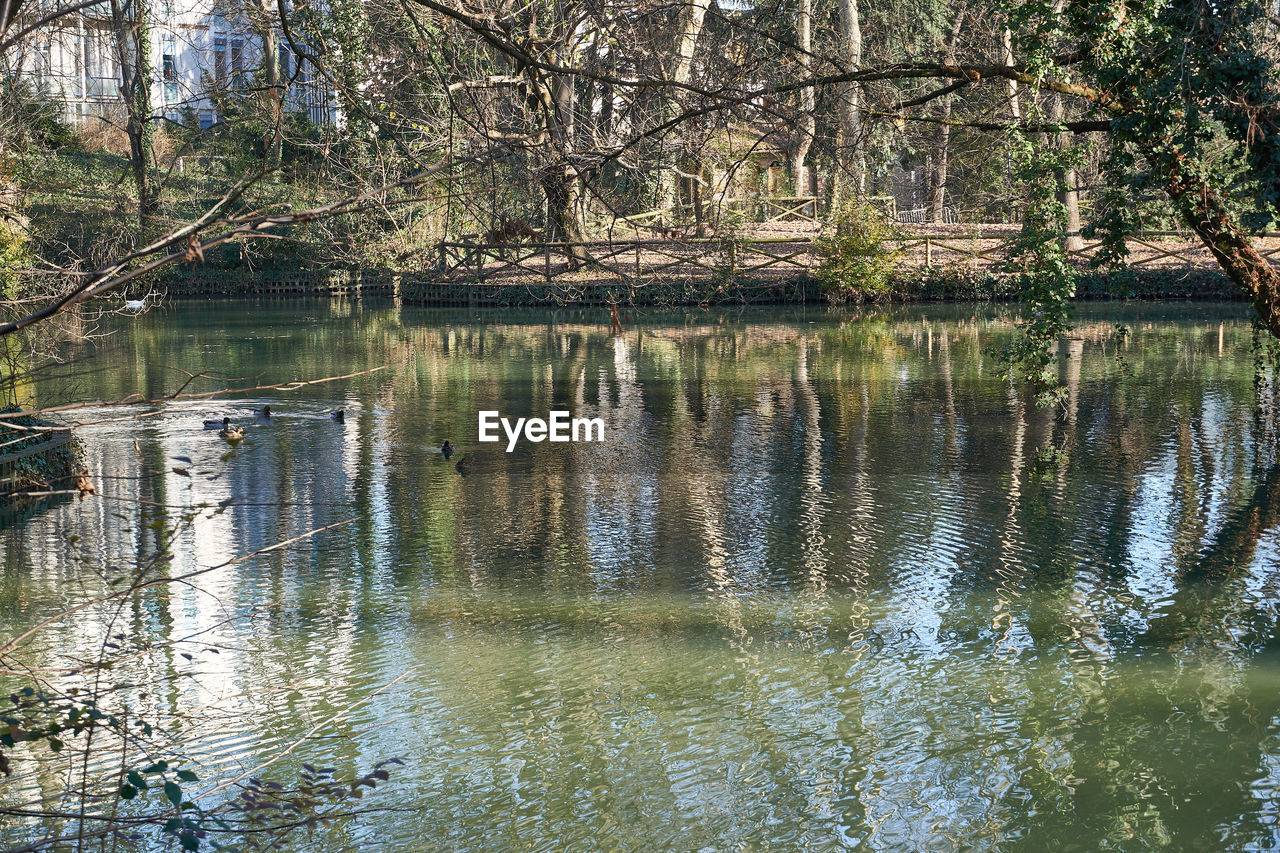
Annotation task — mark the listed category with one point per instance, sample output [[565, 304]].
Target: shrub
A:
[[31, 117], [853, 252]]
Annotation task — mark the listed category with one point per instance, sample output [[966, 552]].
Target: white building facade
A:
[[199, 58]]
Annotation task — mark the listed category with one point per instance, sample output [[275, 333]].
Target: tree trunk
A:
[[942, 134], [802, 140], [275, 96], [1068, 194], [1203, 210], [1015, 110], [688, 30], [851, 162], [132, 27], [1010, 86], [561, 182]]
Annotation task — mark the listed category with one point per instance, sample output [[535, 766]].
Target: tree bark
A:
[[802, 139], [688, 29], [132, 27], [942, 133], [1204, 211], [1010, 85], [1068, 194], [851, 165], [275, 96], [561, 182]]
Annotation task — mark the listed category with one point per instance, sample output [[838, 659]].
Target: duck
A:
[[136, 305], [464, 465], [84, 485], [447, 450], [340, 416], [263, 414], [232, 434], [222, 424]]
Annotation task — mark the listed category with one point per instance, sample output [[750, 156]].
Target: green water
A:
[[829, 583]]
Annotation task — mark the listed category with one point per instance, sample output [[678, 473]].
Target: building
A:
[[200, 57]]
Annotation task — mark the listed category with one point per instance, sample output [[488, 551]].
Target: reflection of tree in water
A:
[[813, 567]]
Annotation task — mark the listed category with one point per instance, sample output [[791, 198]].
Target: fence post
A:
[[546, 261], [639, 269], [928, 253]]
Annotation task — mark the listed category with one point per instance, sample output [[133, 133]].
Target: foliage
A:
[[15, 256], [31, 118], [1048, 281], [853, 251], [261, 817]]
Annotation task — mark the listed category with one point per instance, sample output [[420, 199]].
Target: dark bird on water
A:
[[464, 465], [447, 450], [264, 413], [340, 416], [222, 424]]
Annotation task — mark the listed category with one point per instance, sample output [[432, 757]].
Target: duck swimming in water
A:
[[263, 414], [464, 465], [222, 424], [340, 416], [232, 434], [447, 450]]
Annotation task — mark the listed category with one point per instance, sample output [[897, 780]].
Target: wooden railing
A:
[[631, 260], [54, 439], [762, 209], [635, 260]]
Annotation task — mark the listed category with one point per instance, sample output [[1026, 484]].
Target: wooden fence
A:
[[723, 269], [747, 257], [763, 209], [10, 479], [627, 260]]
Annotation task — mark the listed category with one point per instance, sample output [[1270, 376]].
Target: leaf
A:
[[187, 776], [183, 472], [173, 792], [136, 780], [128, 792]]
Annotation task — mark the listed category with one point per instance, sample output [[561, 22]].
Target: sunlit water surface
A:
[[829, 583]]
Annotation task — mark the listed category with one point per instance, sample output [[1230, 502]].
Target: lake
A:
[[830, 582]]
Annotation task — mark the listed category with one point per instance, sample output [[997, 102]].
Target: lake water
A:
[[829, 583]]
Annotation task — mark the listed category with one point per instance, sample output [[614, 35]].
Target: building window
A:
[[237, 63], [170, 79], [220, 61], [44, 61]]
